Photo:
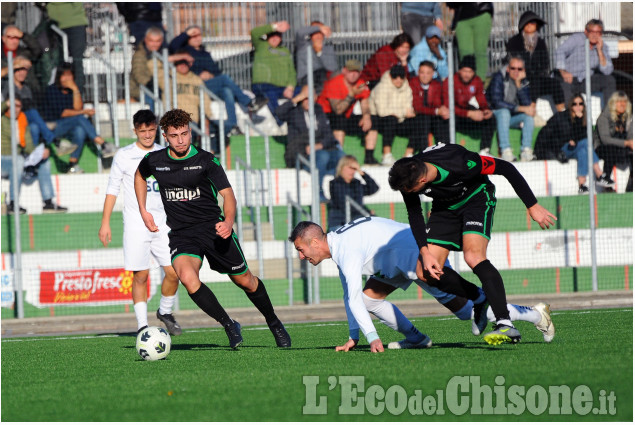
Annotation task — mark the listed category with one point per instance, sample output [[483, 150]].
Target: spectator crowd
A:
[[401, 90]]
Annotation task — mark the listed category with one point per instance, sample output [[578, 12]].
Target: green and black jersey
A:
[[189, 186], [462, 174]]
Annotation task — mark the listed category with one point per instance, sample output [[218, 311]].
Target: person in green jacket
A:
[[273, 73]]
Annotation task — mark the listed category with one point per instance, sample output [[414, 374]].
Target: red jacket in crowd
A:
[[463, 93], [435, 98], [381, 61]]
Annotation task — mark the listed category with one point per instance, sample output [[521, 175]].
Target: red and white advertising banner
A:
[[86, 287]]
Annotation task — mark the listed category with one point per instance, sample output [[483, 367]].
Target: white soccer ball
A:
[[153, 343]]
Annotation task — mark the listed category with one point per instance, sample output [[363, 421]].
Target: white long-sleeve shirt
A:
[[124, 167], [370, 246]]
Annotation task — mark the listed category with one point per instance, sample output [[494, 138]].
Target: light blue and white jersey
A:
[[373, 246]]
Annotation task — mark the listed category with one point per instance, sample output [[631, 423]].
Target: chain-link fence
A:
[[66, 270]]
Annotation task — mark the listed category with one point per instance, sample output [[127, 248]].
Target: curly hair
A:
[[405, 172], [176, 118]]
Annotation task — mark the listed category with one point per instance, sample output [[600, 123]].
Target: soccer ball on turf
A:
[[153, 343]]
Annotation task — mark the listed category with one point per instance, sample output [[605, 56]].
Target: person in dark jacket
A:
[[327, 149], [567, 131], [508, 93], [532, 48], [140, 17], [191, 41], [345, 184]]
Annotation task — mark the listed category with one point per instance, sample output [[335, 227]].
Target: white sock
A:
[[166, 304], [517, 312], [390, 315], [141, 311]]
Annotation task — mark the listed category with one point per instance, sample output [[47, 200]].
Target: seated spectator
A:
[[141, 73], [191, 41], [327, 149], [532, 48], [509, 95], [395, 53], [338, 101], [11, 37], [345, 184], [41, 169], [140, 17], [187, 91], [37, 126], [568, 130], [468, 86], [613, 136], [324, 59], [472, 25], [64, 105], [570, 61], [390, 104], [429, 49], [71, 18], [431, 114], [273, 74], [417, 17]]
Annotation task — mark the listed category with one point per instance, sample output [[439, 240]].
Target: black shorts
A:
[[350, 126], [446, 226], [223, 255]]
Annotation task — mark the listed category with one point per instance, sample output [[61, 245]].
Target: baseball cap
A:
[[353, 65]]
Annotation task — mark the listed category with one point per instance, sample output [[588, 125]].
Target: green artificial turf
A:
[[102, 378]]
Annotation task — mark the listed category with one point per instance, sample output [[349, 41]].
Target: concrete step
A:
[[273, 269], [249, 231]]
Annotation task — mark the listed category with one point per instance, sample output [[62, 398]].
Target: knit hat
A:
[[434, 31], [468, 61], [528, 17]]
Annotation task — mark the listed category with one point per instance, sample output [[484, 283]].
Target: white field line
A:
[[260, 328]]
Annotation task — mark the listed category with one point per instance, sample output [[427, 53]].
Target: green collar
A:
[[442, 174], [190, 154]]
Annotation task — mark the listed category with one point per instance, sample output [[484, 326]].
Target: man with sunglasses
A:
[[509, 95], [570, 62]]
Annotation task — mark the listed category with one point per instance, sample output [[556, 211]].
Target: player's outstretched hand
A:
[[148, 220], [350, 344], [377, 346], [542, 216], [104, 235], [223, 229]]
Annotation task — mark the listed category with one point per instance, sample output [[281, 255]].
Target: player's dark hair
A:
[[405, 173], [176, 118], [143, 116], [401, 39], [301, 230]]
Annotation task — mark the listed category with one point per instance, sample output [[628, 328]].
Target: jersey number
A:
[[152, 186], [351, 224]]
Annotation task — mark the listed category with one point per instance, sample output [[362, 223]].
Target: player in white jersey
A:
[[387, 251], [138, 242]]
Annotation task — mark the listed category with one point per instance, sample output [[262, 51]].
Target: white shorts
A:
[[139, 244]]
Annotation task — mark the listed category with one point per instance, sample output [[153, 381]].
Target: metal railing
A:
[[310, 274], [206, 143], [351, 203], [251, 200], [64, 38], [249, 127]]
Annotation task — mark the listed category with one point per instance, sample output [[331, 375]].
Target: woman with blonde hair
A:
[[613, 137], [344, 184]]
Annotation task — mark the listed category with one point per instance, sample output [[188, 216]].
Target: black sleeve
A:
[[415, 218], [338, 190], [371, 186], [518, 182], [144, 167], [216, 175]]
